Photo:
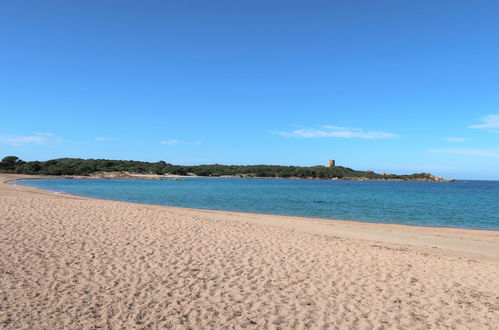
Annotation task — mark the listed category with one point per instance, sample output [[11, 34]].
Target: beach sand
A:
[[71, 262]]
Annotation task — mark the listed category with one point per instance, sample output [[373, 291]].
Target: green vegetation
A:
[[77, 166]]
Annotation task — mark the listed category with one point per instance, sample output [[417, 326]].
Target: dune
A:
[[70, 262]]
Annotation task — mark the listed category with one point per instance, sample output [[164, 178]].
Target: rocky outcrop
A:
[[120, 175], [127, 175]]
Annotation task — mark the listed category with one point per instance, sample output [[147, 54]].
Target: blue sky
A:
[[392, 86]]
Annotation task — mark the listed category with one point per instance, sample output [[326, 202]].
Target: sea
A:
[[460, 204]]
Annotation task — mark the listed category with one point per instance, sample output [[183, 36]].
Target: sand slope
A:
[[70, 262]]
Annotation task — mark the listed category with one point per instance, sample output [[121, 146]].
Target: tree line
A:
[[84, 167]]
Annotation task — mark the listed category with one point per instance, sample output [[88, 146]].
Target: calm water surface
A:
[[462, 204]]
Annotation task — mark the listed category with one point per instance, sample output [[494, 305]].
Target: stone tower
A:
[[331, 163]]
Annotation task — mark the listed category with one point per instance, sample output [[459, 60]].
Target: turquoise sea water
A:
[[462, 204]]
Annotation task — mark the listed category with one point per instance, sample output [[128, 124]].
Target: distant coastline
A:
[[128, 169], [168, 176]]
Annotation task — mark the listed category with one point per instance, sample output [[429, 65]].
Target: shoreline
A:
[[168, 176], [29, 177], [365, 230]]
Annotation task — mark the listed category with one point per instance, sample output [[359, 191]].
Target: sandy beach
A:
[[69, 262]]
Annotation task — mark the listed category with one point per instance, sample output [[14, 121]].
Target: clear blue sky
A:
[[392, 86]]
